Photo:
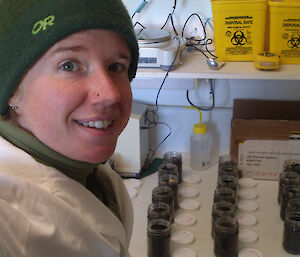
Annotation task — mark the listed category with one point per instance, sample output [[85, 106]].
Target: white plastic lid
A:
[[247, 205], [189, 204], [191, 178], [250, 252], [188, 192], [248, 194], [133, 183], [184, 252], [182, 237], [247, 182], [132, 192], [247, 236], [246, 219], [185, 219]]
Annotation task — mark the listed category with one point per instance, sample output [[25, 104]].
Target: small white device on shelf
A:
[[158, 49]]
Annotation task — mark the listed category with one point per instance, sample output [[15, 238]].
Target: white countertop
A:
[[269, 227]]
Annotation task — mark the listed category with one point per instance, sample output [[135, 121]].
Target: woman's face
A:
[[77, 98]]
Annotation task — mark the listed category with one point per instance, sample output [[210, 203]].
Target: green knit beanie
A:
[[28, 28]]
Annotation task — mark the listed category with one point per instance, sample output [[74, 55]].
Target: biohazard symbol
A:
[[294, 42], [238, 38]]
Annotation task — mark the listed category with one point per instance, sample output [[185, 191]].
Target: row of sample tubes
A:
[[289, 201], [160, 212], [225, 228]]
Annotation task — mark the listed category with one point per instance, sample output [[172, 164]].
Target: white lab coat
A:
[[44, 213]]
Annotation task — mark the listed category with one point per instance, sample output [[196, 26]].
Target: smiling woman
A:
[[65, 97], [64, 83]]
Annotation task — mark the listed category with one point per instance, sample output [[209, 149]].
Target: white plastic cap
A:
[[188, 192], [185, 219], [248, 194], [182, 237], [133, 183], [246, 219], [184, 252], [189, 204], [247, 206], [250, 252], [247, 182], [191, 178], [247, 236]]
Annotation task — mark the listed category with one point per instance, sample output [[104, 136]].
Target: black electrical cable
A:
[[189, 44], [204, 30], [133, 15], [137, 23], [195, 47], [166, 75], [166, 21], [154, 112], [173, 26], [170, 16], [193, 42], [209, 42], [152, 152], [212, 91]]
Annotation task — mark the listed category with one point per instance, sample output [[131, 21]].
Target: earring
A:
[[13, 107]]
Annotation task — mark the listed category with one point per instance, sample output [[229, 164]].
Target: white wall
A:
[[171, 108], [156, 12], [172, 102]]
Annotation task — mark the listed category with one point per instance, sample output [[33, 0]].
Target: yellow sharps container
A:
[[239, 28], [285, 30]]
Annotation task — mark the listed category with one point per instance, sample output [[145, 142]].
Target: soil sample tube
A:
[[172, 182], [228, 160], [225, 194], [166, 195], [288, 192], [228, 170], [291, 232], [158, 210], [175, 158], [293, 205], [158, 238], [292, 165], [228, 181], [287, 178], [220, 209], [226, 237], [168, 168]]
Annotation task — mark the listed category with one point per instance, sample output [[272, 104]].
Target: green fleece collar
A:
[[76, 170]]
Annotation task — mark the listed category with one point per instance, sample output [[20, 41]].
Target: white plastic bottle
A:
[[200, 146]]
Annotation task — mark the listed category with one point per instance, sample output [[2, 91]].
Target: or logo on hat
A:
[[43, 24]]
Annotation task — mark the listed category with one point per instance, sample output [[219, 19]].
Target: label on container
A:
[[238, 34], [264, 159], [285, 31], [290, 38]]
